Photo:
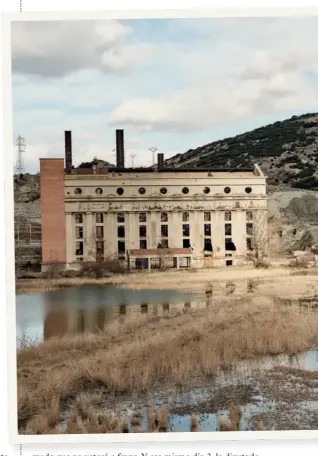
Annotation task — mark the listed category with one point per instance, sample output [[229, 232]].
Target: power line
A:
[[19, 168]]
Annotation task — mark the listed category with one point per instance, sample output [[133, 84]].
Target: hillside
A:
[[287, 152]]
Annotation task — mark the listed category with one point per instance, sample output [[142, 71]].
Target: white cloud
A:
[[251, 82], [125, 57], [57, 48]]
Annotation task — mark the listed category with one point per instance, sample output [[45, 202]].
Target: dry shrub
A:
[[259, 426], [150, 420], [194, 422], [125, 427], [134, 356], [224, 425]]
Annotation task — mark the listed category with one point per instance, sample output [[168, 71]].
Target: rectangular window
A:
[[228, 229], [121, 231], [120, 217], [142, 217], [164, 243], [143, 230], [186, 230], [121, 247], [249, 215], [79, 218], [207, 229], [99, 218], [79, 232], [207, 216], [208, 245], [228, 216], [249, 229], [100, 232], [143, 244], [99, 248], [186, 243], [79, 258], [185, 216], [249, 243], [229, 244], [164, 216], [164, 230], [79, 248]]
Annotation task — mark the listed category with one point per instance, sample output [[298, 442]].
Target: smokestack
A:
[[68, 151], [120, 152], [160, 161]]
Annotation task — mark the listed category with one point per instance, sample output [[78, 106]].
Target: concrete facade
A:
[[199, 217]]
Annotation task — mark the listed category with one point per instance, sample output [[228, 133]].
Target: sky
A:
[[173, 84]]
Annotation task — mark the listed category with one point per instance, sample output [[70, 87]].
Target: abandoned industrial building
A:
[[148, 217]]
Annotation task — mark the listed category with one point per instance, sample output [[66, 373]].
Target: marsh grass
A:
[[136, 356]]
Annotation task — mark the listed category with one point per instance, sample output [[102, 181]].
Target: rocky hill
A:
[[287, 152]]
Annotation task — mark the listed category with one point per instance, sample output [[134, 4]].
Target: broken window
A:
[[249, 229], [186, 230], [228, 229], [164, 230], [186, 243], [142, 217], [208, 245], [164, 216], [99, 218], [164, 243], [120, 217], [79, 218], [249, 215], [121, 247], [249, 243], [228, 216], [121, 231], [229, 245], [207, 229], [79, 248], [185, 216], [99, 249], [100, 232], [79, 232], [143, 231]]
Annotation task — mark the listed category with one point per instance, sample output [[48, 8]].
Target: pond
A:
[[89, 308]]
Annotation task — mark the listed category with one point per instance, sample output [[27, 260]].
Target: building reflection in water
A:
[[59, 320]]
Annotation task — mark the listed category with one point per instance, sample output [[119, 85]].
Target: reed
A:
[[132, 357]]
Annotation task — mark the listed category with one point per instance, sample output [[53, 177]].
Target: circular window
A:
[[163, 190], [185, 190], [142, 190], [98, 191], [78, 191], [227, 190], [206, 190], [120, 191], [248, 190]]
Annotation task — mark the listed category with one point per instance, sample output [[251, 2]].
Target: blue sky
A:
[[174, 84]]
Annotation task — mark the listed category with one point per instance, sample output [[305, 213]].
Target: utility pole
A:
[[132, 159], [153, 150]]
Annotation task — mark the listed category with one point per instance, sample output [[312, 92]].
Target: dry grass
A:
[[173, 279], [135, 356]]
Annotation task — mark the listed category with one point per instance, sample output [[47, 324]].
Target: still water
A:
[[88, 308]]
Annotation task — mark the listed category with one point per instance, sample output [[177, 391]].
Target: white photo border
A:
[[15, 438]]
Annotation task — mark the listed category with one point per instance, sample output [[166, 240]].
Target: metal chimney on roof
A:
[[68, 151], [120, 150], [160, 161]]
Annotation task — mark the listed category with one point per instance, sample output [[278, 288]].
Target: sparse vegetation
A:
[[273, 146], [142, 355]]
